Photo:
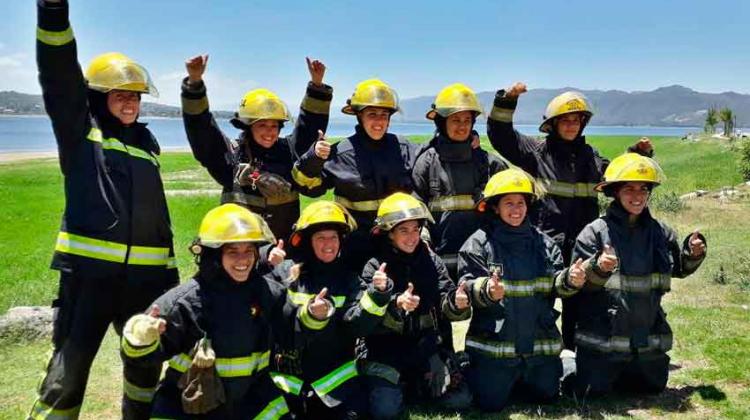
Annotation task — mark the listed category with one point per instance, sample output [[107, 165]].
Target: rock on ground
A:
[[26, 322]]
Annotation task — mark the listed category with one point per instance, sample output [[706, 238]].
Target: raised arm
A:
[[512, 145], [209, 145], [314, 110], [63, 86]]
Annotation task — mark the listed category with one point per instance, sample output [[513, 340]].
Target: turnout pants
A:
[[84, 308], [599, 373], [493, 380]]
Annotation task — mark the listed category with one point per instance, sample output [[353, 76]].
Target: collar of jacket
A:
[[558, 145], [367, 141], [507, 234], [213, 276], [322, 274], [617, 212], [398, 255], [452, 151], [250, 150]]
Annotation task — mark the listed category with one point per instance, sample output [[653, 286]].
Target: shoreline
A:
[[22, 155]]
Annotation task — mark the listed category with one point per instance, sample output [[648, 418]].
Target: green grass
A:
[[712, 348]]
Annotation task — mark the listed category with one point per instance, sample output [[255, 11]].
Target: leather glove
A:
[[202, 389], [272, 185]]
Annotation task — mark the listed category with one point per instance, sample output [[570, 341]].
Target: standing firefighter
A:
[[566, 166], [257, 172], [215, 328], [513, 274], [623, 334], [114, 250], [450, 174], [402, 357], [314, 364], [363, 169]]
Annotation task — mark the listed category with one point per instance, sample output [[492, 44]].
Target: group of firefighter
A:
[[430, 278]]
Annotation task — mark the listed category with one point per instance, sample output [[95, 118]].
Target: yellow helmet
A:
[[261, 104], [116, 71], [322, 213], [231, 223], [452, 99], [509, 181], [400, 207], [566, 103], [631, 167], [371, 92]]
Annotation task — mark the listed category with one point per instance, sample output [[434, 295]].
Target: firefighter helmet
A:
[[261, 104], [371, 92], [321, 213], [631, 167], [452, 99], [509, 181], [116, 71], [566, 103], [231, 223], [400, 207]]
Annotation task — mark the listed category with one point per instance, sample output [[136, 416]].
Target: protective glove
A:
[[272, 185], [142, 329], [202, 389]]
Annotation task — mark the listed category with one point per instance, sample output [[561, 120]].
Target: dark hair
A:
[[441, 123], [610, 190]]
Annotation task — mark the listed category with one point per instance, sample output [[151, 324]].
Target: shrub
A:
[[745, 159]]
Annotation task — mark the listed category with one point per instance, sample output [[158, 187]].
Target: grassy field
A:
[[708, 311]]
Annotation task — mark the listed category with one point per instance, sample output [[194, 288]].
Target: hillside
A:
[[667, 106]]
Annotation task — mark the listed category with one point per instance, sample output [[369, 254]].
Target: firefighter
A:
[[513, 273], [363, 169], [563, 163], [315, 365], [623, 335], [450, 174], [256, 173], [228, 303], [114, 250], [402, 359]]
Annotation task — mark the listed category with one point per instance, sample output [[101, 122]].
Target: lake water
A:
[[34, 133]]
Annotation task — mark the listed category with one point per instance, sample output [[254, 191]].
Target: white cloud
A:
[[224, 92], [12, 60], [18, 72]]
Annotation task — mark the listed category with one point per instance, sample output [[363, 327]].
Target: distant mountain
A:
[[14, 103], [667, 106]]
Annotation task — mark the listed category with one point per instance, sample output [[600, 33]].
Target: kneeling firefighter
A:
[[513, 274], [402, 357], [215, 328], [314, 363], [623, 335]]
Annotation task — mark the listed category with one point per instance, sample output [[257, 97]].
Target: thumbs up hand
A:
[[495, 287], [380, 279], [322, 147], [144, 329], [277, 254], [408, 301], [696, 244], [577, 274], [462, 298], [320, 306], [607, 261]]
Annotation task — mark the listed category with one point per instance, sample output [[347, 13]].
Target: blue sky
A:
[[416, 46]]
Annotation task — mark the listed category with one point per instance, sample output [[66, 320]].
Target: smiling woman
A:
[[114, 250]]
